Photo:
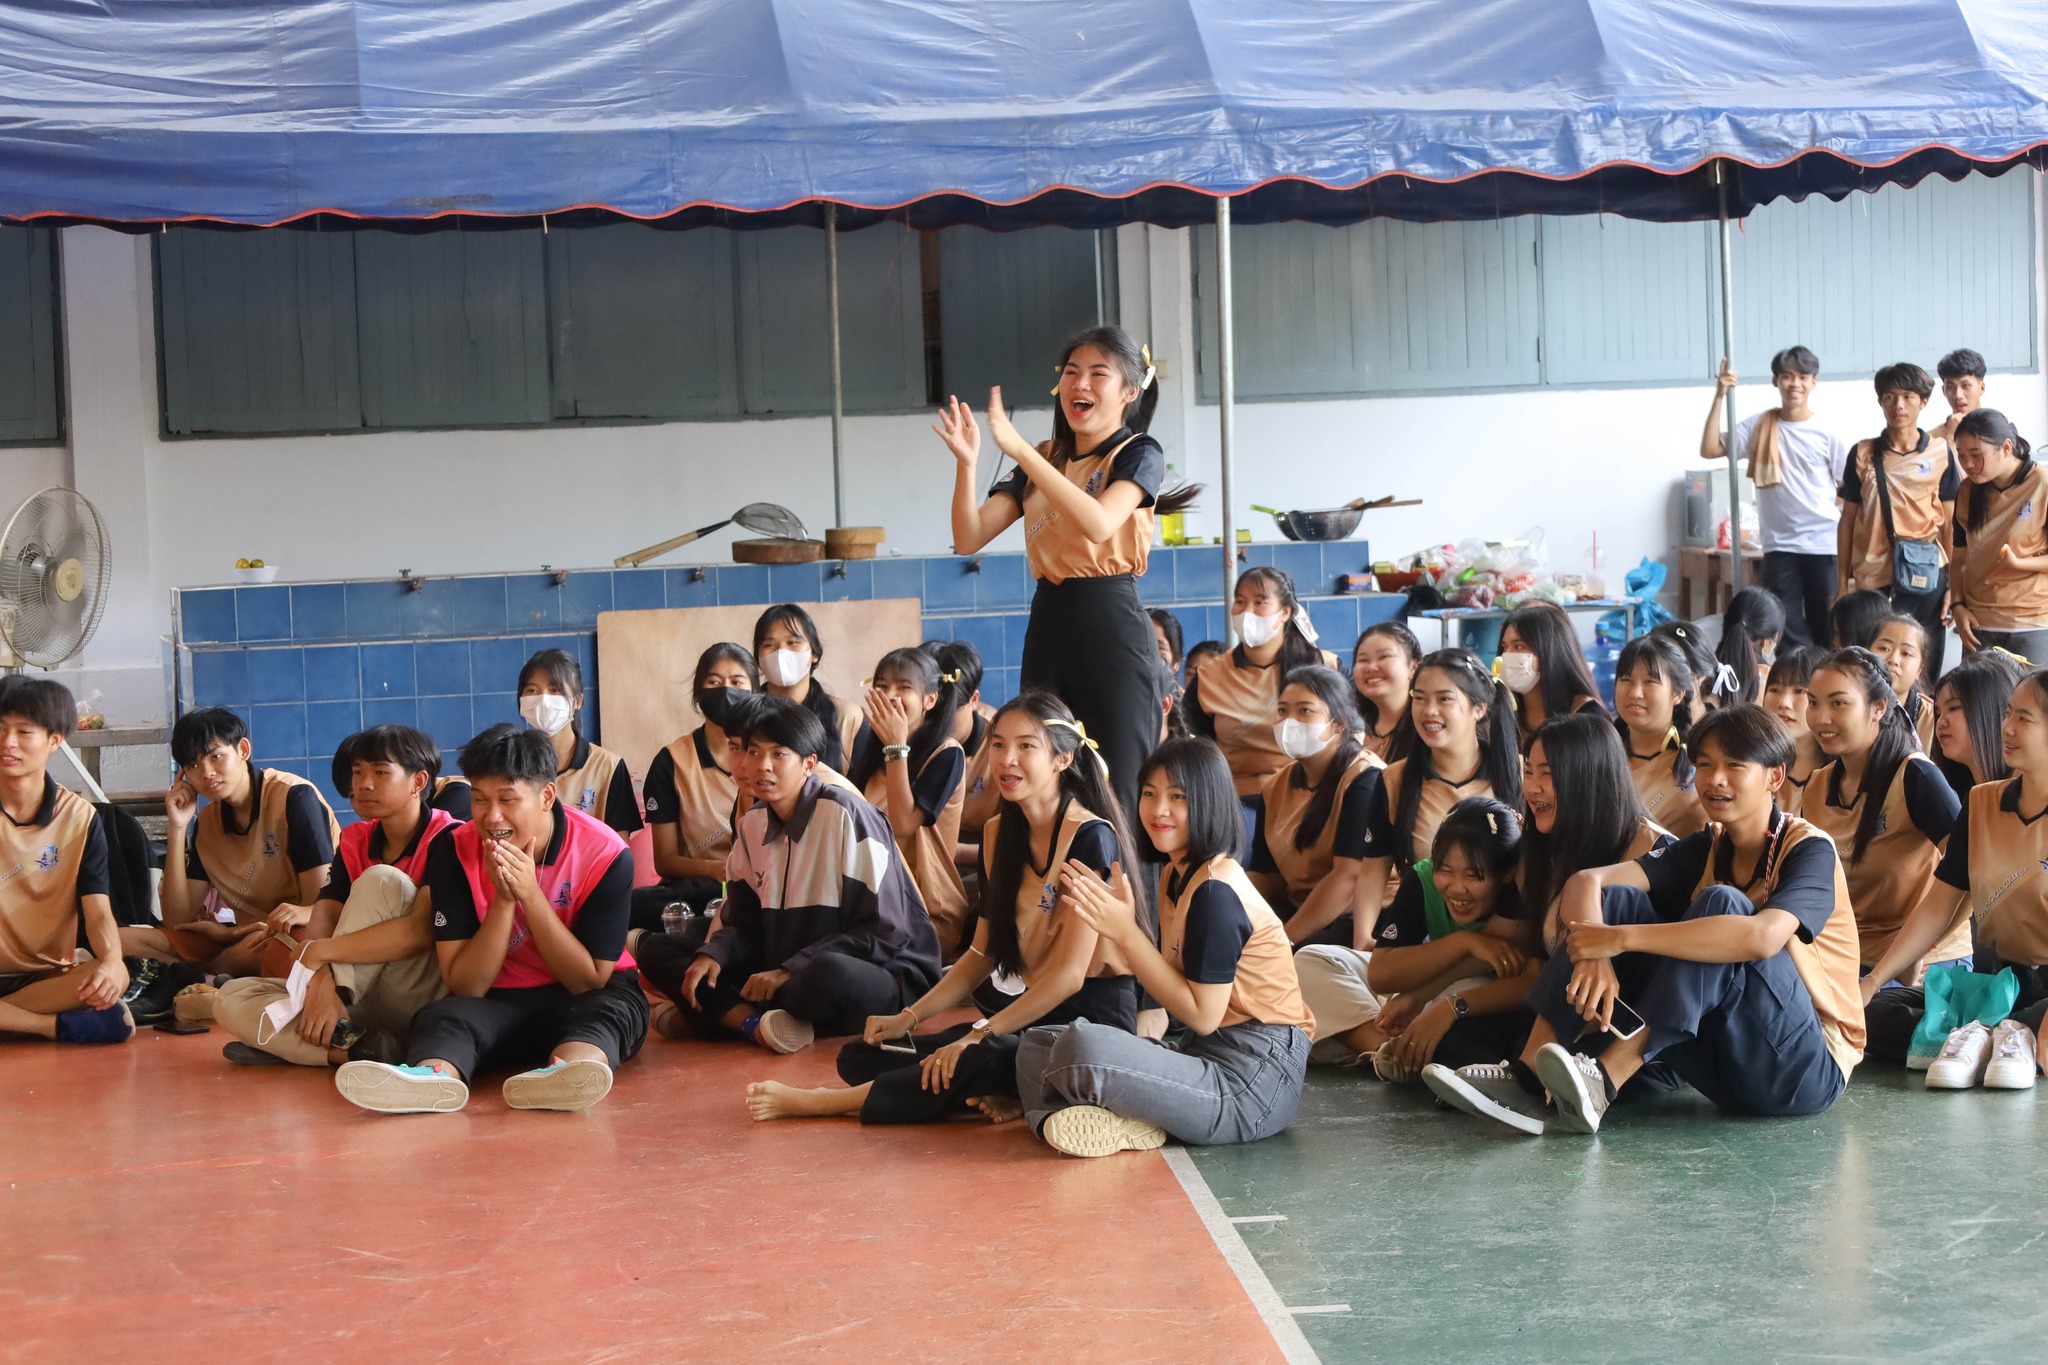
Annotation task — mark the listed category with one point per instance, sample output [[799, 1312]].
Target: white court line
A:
[[1322, 1308], [1261, 1218], [1294, 1347]]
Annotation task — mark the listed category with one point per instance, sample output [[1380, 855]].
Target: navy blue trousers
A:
[[1744, 1034]]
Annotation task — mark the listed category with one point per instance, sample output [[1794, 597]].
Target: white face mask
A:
[[786, 667], [1299, 739], [1518, 671], [547, 713], [1256, 631]]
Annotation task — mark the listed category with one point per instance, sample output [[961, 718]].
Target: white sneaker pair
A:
[[2000, 1058]]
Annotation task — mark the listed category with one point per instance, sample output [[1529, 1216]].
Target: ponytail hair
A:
[[921, 670], [1500, 751], [1297, 650], [1995, 429], [790, 616], [1896, 741], [1698, 657], [1333, 690], [1753, 616], [1135, 369], [1085, 780]]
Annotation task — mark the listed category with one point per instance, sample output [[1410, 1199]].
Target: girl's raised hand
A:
[[957, 428], [1109, 908], [999, 426], [888, 717]]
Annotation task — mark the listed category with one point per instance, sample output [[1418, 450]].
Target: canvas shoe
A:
[[2012, 1065], [1487, 1091], [389, 1089], [1383, 1064], [1090, 1130], [194, 1004], [781, 1031], [567, 1086], [1963, 1057], [1578, 1085]]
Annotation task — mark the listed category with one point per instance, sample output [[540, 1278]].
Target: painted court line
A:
[[1261, 1218], [1294, 1347], [1322, 1308]]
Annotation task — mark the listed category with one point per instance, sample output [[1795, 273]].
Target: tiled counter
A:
[[308, 663]]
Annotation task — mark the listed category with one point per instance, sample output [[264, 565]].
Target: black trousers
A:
[[521, 1028], [1090, 642], [1893, 1013], [1925, 607], [650, 901], [833, 993], [1479, 1039], [1806, 585]]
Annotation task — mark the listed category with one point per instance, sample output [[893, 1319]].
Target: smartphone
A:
[[902, 1044], [1625, 1023], [173, 1026]]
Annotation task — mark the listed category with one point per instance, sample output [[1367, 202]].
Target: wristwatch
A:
[[979, 1029], [1461, 1007]]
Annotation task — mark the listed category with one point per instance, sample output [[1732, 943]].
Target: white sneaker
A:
[[2012, 1065], [1961, 1063]]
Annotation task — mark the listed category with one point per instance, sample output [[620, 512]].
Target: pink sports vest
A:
[[588, 848], [355, 847]]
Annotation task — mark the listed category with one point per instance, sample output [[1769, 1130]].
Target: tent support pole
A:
[[838, 378], [1226, 401], [1728, 408]]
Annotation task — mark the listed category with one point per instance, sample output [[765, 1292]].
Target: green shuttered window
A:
[[31, 408]]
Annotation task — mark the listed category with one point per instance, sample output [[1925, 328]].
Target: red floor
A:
[[161, 1205]]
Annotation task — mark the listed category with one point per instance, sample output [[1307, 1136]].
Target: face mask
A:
[[786, 667], [1299, 739], [1518, 671], [547, 713], [1256, 631]]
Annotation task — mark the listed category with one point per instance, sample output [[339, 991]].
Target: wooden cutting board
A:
[[774, 551]]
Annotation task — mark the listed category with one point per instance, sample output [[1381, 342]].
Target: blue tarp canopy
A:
[[1087, 112]]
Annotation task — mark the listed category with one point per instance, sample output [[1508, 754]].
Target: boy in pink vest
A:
[[531, 901], [369, 938]]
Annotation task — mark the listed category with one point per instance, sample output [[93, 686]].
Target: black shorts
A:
[[10, 982]]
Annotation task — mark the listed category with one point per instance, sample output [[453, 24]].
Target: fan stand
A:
[[11, 663]]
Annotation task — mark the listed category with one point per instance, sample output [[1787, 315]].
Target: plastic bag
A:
[[1643, 583], [89, 715], [1956, 996]]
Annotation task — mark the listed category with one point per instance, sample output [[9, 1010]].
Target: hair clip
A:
[[1151, 370], [1077, 727], [1725, 681], [1492, 827], [949, 677]]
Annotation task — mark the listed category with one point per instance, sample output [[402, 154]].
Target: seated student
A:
[[1166, 634], [1785, 697], [264, 840], [689, 795], [1969, 706], [1855, 617], [1901, 641], [1882, 801], [909, 766], [1962, 373], [1200, 653], [1898, 497], [1222, 966], [1382, 672], [57, 845], [369, 938], [1311, 827], [1542, 664], [1991, 871], [1704, 665], [1750, 630], [588, 777], [978, 796], [1735, 947], [1033, 959], [530, 901], [788, 649], [1999, 577], [1653, 692], [822, 925], [1234, 698]]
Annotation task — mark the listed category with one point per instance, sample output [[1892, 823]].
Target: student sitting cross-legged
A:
[[1223, 967], [531, 901], [369, 938], [822, 925], [56, 847]]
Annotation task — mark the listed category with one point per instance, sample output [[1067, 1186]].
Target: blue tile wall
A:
[[310, 663]]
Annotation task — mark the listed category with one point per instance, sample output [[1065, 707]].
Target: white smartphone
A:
[[1625, 1023]]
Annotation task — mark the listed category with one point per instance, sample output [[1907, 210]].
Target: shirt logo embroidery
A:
[[2044, 865], [440, 920], [270, 846], [1094, 484], [1390, 933], [1048, 898], [47, 859], [562, 896], [1926, 468], [587, 802], [2026, 510]]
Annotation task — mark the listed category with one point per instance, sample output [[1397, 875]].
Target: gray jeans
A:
[[1237, 1084]]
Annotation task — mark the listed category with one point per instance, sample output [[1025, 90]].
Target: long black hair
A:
[[1667, 664], [1561, 672], [1599, 810], [1296, 649], [1215, 819], [1995, 429], [1084, 780], [1129, 359], [1896, 741], [1857, 616], [922, 671], [816, 700], [1983, 684], [1334, 692], [1753, 617], [1500, 756], [1698, 657], [1402, 742]]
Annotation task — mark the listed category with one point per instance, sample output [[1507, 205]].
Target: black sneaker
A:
[[241, 1054], [153, 987]]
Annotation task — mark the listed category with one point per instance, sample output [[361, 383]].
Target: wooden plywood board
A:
[[645, 661]]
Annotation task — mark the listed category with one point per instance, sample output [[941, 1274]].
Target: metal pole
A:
[[1728, 414], [838, 379], [1226, 400]]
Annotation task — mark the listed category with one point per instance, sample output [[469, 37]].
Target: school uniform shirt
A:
[[1287, 796], [979, 798], [1379, 745], [689, 787], [1797, 514], [1800, 875], [2000, 857], [585, 873], [1383, 840], [362, 847], [1235, 702], [46, 865], [1922, 482], [935, 789], [827, 880], [453, 795], [1664, 781], [1214, 927], [1057, 550], [1081, 836], [1924, 716], [1792, 795], [596, 782], [1998, 595], [1897, 870], [256, 867]]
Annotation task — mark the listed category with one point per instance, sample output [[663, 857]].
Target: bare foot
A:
[[670, 1022], [774, 1100], [997, 1108]]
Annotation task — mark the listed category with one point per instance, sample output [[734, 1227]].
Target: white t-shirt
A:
[[1798, 514]]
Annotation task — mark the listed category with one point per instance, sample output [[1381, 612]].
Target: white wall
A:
[[181, 512]]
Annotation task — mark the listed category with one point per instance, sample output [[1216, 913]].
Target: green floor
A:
[[1899, 1225]]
